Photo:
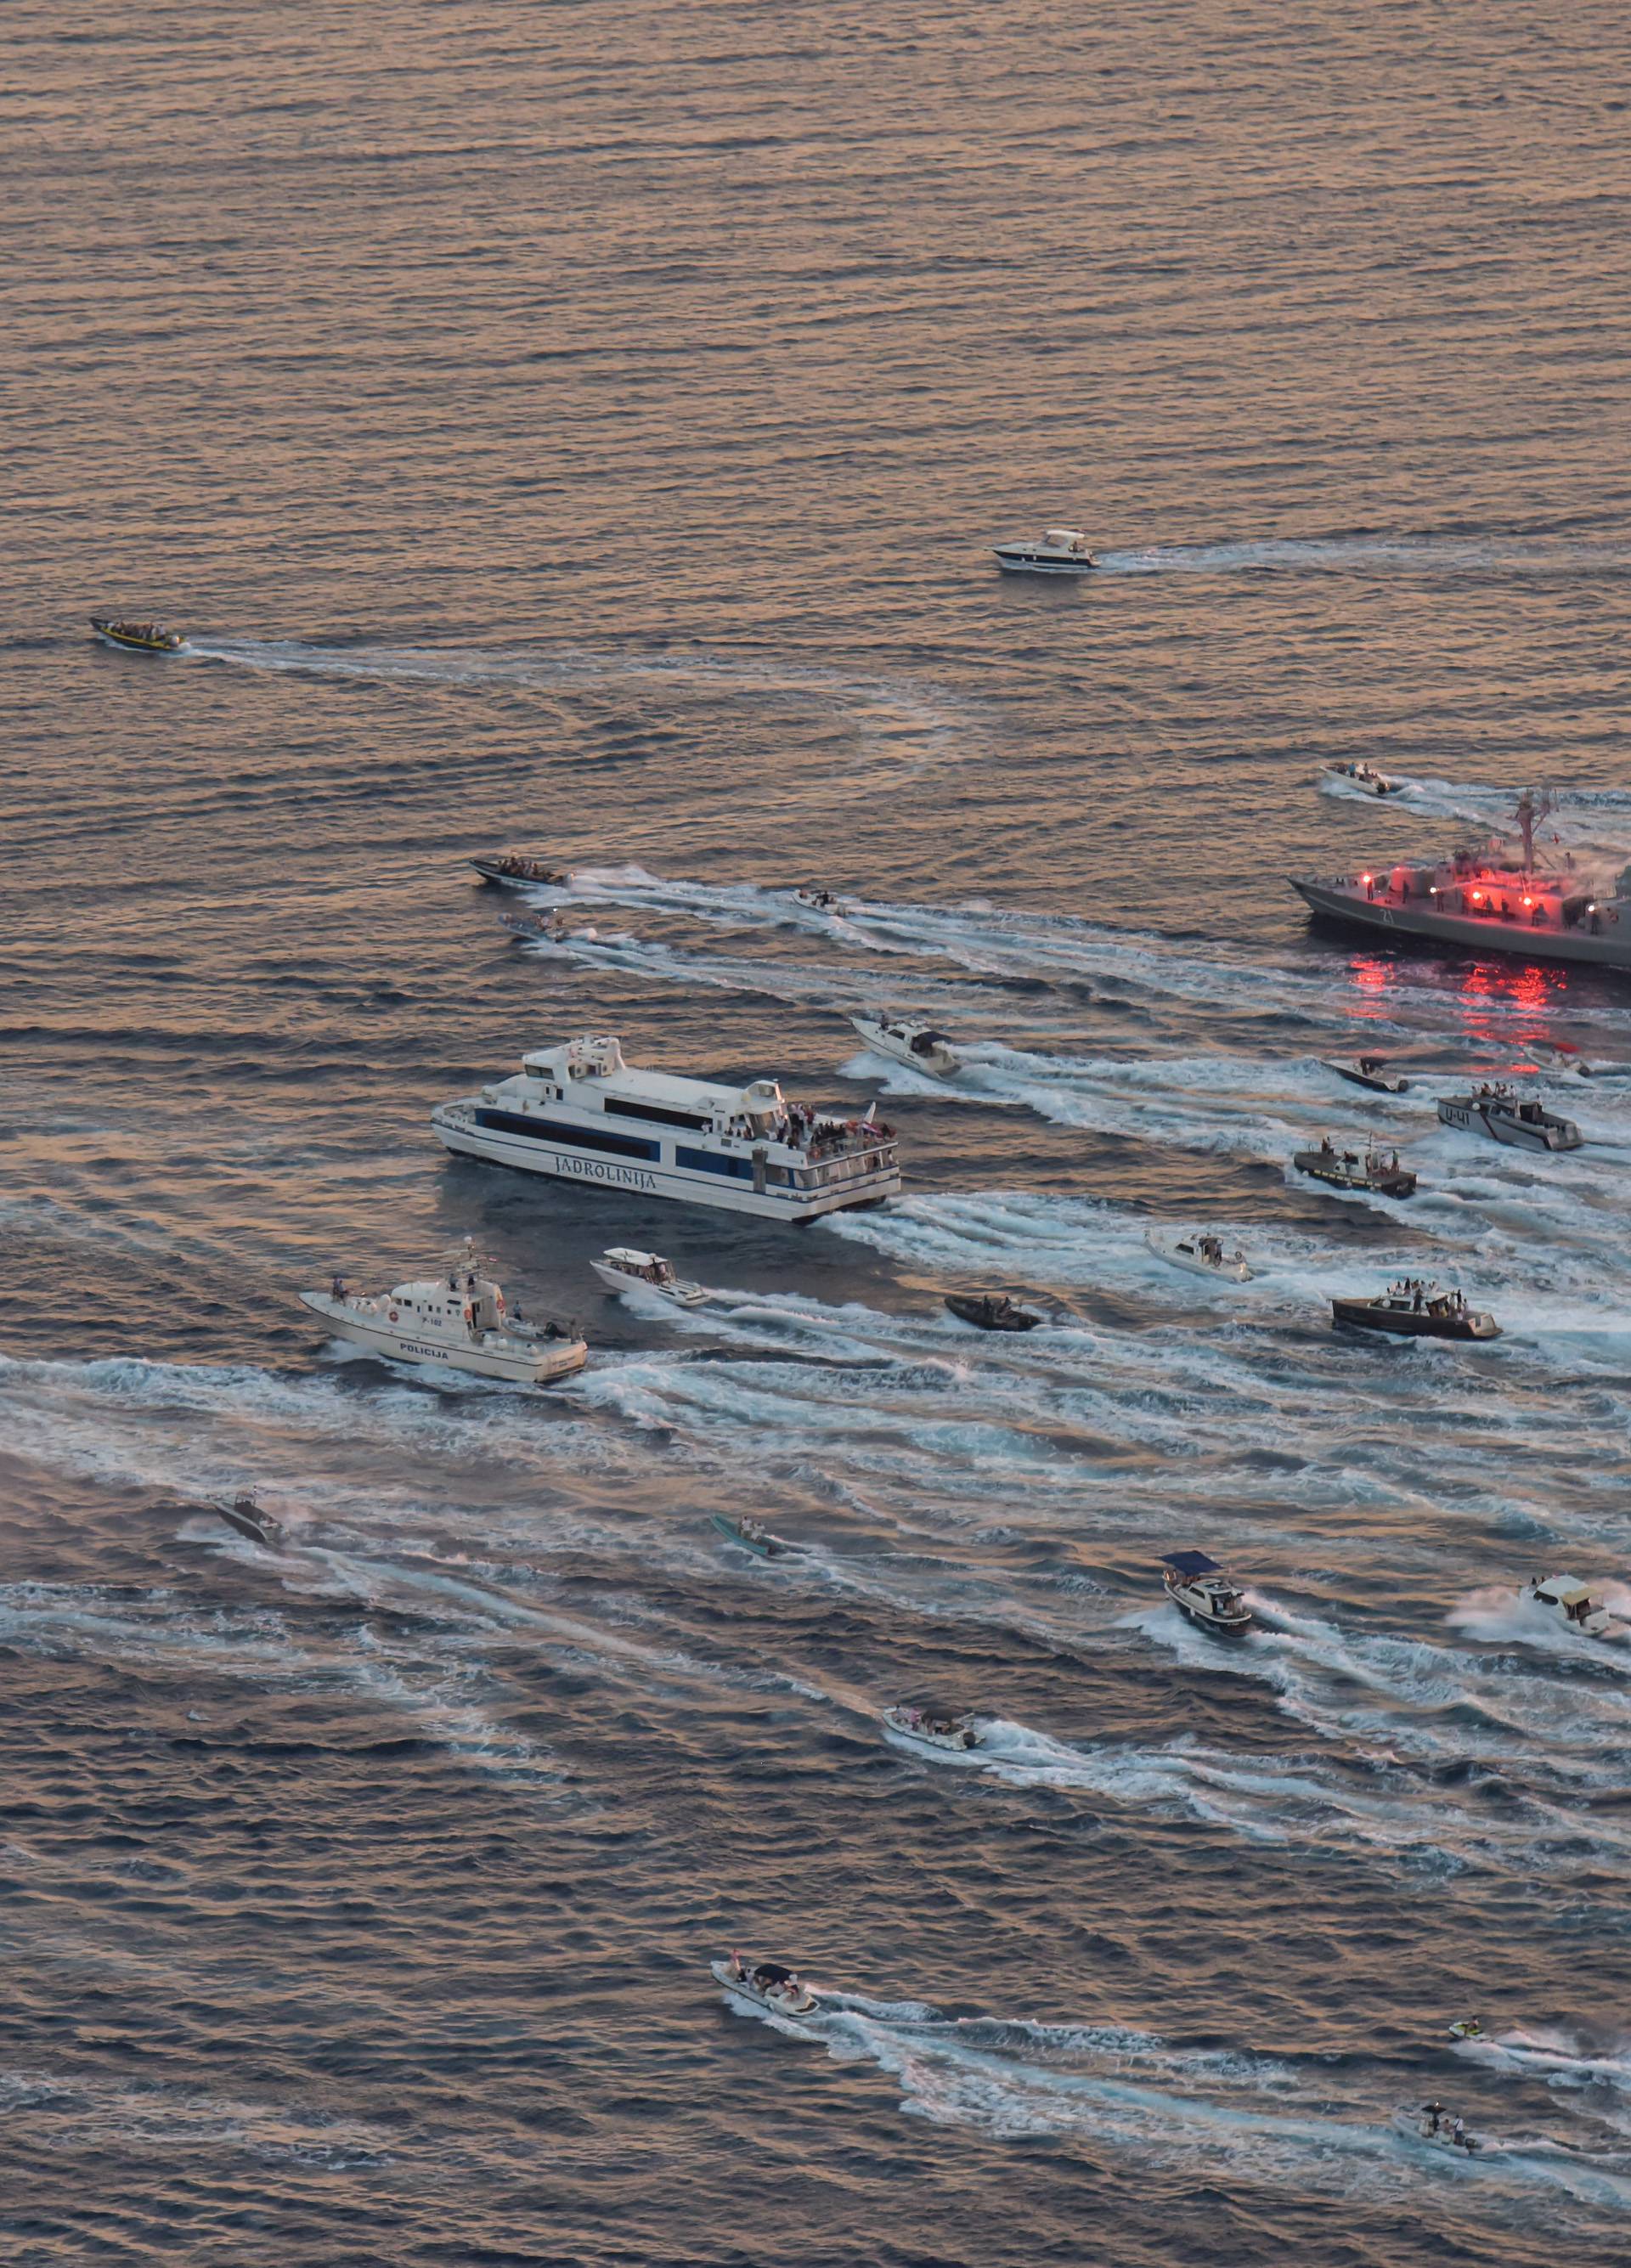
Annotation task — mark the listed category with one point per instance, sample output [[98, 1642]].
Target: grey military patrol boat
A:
[[1574, 910]]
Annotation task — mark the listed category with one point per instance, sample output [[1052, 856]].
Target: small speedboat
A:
[[1373, 1168], [1062, 551], [1366, 776], [1200, 1587], [991, 1311], [1496, 1111], [1367, 1070], [933, 1728], [246, 1515], [822, 901], [752, 1536], [536, 928], [137, 637], [520, 874], [1570, 1603], [911, 1042], [1433, 2124], [766, 1985], [1201, 1254], [620, 1265], [1414, 1308]]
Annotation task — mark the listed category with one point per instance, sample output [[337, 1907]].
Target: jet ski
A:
[[991, 1311], [1433, 2124], [933, 1728], [1467, 2027], [1570, 1603], [1411, 1308], [1200, 1587], [520, 874], [137, 637], [1377, 1169], [1367, 776], [766, 1985], [752, 1536], [1201, 1254], [246, 1515], [1367, 1070], [910, 1042]]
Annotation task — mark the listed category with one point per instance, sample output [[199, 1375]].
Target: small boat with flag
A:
[[137, 637]]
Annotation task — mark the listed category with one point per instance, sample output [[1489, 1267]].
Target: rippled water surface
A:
[[584, 429]]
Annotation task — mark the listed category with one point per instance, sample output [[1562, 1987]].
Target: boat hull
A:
[[1400, 1322], [679, 1295], [457, 1131], [1463, 932], [553, 1359], [1513, 1131]]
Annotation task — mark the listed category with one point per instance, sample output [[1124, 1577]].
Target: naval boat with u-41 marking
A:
[[579, 1112], [458, 1319], [1520, 1122]]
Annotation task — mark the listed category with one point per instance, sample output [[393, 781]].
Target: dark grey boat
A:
[[1415, 1309]]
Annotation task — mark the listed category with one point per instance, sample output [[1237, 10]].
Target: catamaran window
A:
[[570, 1138], [654, 1111], [705, 1161]]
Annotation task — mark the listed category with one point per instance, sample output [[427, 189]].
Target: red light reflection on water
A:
[[1505, 1004]]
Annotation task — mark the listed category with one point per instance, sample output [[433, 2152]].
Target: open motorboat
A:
[[910, 1042], [1206, 1593], [991, 1311], [753, 1535], [820, 902], [1375, 1168], [1496, 1110], [1435, 2124], [246, 1515], [137, 637], [1414, 1308], [520, 874], [459, 1319], [1570, 1603], [536, 928], [1203, 1255], [620, 1265], [1062, 551], [933, 1728], [1367, 1070], [1366, 776], [766, 1985]]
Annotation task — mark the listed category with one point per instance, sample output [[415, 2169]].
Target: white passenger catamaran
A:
[[578, 1111]]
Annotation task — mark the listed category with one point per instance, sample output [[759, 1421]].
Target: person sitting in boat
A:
[[752, 1531]]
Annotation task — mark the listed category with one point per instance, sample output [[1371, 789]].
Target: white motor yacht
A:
[[1201, 1254], [1061, 551], [620, 1265], [910, 1042], [766, 1985], [1570, 1603], [578, 1111], [933, 1728], [459, 1319], [1206, 1593]]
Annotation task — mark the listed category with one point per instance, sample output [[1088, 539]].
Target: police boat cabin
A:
[[578, 1111]]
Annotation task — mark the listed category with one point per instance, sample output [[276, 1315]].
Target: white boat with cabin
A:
[[912, 1042], [1570, 1603], [621, 1265], [1202, 1253], [577, 1111], [1197, 1584], [459, 1319], [1061, 551]]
